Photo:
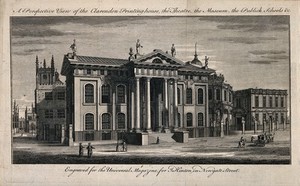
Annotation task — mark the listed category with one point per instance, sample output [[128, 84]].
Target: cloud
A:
[[244, 40], [22, 53], [262, 52], [39, 31], [34, 42], [276, 57], [250, 23], [263, 61]]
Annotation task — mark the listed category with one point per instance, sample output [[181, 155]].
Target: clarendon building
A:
[[155, 92], [103, 98]]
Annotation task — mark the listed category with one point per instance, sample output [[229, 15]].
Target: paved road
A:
[[210, 150]]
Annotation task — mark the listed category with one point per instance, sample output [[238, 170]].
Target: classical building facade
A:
[[50, 103], [261, 109], [220, 96], [155, 92]]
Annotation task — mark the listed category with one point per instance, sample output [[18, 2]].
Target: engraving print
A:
[[151, 90]]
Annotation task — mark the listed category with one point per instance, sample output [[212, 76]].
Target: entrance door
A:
[[239, 123]]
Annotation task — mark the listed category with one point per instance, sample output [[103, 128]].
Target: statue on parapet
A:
[[173, 50], [138, 46], [73, 47]]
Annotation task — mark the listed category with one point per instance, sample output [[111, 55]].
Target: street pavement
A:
[[207, 150]]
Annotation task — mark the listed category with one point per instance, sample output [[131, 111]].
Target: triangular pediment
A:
[[158, 57]]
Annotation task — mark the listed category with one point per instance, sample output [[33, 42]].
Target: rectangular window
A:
[[282, 117], [60, 95], [189, 119], [218, 92], [256, 101], [101, 72], [200, 119], [61, 113], [276, 117], [189, 96], [238, 102], [210, 94], [48, 113], [270, 101], [230, 97], [225, 95], [178, 96], [276, 101], [88, 71], [48, 96], [264, 101], [282, 102]]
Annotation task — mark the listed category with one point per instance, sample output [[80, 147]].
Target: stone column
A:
[[132, 106], [114, 110], [62, 134], [148, 103], [175, 105], [222, 129], [71, 142], [255, 126], [284, 123], [214, 126], [166, 115], [264, 125], [138, 109], [243, 123], [277, 125]]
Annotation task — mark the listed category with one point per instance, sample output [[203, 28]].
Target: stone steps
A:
[[163, 137]]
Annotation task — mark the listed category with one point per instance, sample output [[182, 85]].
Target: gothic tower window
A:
[[89, 93], [105, 94], [89, 122]]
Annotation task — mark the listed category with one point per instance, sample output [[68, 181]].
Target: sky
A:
[[250, 51]]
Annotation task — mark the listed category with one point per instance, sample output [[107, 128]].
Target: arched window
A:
[[200, 119], [120, 94], [189, 119], [178, 96], [106, 121], [121, 121], [189, 96], [89, 122], [200, 96], [179, 119], [89, 93], [105, 94]]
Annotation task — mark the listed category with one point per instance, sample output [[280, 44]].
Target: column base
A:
[[165, 130], [149, 130]]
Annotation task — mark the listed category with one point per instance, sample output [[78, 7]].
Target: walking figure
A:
[[90, 150], [81, 149], [124, 146], [157, 140], [173, 50]]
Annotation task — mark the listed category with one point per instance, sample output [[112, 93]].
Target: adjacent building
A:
[[220, 96], [261, 109], [30, 120], [15, 118], [50, 103]]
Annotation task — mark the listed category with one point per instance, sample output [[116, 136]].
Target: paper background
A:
[[55, 174]]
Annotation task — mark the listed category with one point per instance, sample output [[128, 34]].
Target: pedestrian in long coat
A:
[[90, 150]]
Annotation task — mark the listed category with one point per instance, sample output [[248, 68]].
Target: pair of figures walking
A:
[[89, 150]]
